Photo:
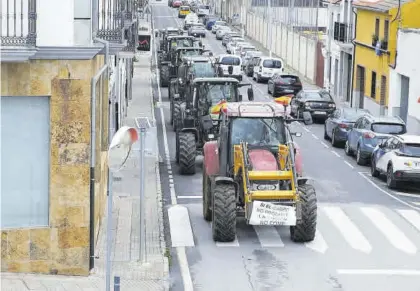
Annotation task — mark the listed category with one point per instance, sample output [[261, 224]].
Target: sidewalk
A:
[[126, 216]]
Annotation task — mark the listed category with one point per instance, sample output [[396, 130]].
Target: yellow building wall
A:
[[409, 17], [365, 55], [63, 246]]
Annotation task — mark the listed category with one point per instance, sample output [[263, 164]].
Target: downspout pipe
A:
[[354, 58], [93, 83]]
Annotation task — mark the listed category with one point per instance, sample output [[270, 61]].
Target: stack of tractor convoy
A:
[[261, 183]]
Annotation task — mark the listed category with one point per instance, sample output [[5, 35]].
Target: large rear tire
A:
[[164, 76], [207, 213], [176, 121], [224, 213], [171, 112], [177, 147], [305, 230], [187, 153]]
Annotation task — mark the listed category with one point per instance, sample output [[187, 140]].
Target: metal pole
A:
[[108, 234], [270, 31], [142, 194]]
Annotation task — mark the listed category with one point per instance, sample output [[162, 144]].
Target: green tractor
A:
[[203, 100], [164, 34]]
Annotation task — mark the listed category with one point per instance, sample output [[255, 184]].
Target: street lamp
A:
[[118, 153]]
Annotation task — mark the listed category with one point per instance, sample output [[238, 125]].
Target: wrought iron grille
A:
[[18, 23]]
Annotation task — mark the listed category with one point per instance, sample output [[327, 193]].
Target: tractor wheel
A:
[[164, 76], [177, 147], [224, 213], [187, 153], [207, 213], [170, 91], [171, 112], [304, 231], [176, 115]]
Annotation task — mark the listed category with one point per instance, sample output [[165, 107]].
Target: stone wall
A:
[[63, 247]]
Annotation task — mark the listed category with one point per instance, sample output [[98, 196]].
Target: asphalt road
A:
[[368, 237]]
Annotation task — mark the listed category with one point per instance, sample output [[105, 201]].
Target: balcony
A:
[[116, 24], [18, 29], [343, 34]]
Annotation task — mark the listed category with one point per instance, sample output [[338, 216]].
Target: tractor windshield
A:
[[189, 53], [202, 70], [181, 42], [218, 92], [258, 131]]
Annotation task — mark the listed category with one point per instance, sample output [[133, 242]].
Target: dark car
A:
[[210, 23], [283, 84], [340, 122], [318, 103], [249, 68], [368, 132], [208, 18]]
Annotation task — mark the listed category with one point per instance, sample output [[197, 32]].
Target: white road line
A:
[[386, 193], [378, 272], [306, 129], [348, 164], [268, 236], [180, 251], [348, 229], [325, 145], [314, 136], [416, 203], [235, 244], [395, 236], [318, 244], [180, 227], [189, 197], [335, 153], [408, 195], [411, 216]]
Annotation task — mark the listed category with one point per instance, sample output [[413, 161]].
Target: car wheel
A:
[[334, 142], [390, 180], [373, 171], [326, 137], [347, 149], [268, 90], [359, 159]]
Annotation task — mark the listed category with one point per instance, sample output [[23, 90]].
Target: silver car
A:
[[197, 30], [228, 36], [222, 31]]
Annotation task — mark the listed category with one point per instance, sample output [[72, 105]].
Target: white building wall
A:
[[408, 59]]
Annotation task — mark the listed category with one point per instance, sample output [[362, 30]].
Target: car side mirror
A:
[[240, 98], [207, 122], [250, 94], [307, 118]]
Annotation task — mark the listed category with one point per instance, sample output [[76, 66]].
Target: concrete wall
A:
[[63, 247], [298, 51], [408, 59]]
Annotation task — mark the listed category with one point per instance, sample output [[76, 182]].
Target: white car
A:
[[226, 61], [222, 31], [217, 24], [243, 48], [203, 10], [231, 47], [266, 68], [398, 158]]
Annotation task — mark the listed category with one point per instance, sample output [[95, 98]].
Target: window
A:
[[383, 91], [373, 85], [386, 30], [388, 128], [411, 149], [377, 27], [25, 161], [272, 64], [234, 61], [258, 131]]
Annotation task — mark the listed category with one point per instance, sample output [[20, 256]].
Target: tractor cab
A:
[[178, 41], [254, 170]]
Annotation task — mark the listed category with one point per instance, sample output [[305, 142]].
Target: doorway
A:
[[405, 90], [349, 75], [360, 85]]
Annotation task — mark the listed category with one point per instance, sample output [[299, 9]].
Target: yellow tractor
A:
[[250, 171]]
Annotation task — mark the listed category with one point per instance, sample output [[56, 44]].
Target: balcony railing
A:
[[18, 23], [342, 32]]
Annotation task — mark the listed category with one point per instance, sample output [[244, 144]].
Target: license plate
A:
[[266, 213], [320, 112], [288, 91]]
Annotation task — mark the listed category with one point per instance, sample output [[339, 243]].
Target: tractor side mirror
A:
[[230, 70], [207, 122], [250, 94], [200, 43], [307, 118], [240, 97], [156, 32]]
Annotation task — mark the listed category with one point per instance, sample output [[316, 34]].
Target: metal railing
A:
[[342, 32], [18, 23]]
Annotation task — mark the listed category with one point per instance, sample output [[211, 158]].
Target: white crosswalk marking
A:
[[412, 216], [350, 232], [268, 236], [395, 236], [318, 244]]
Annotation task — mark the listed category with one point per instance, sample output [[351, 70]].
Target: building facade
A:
[[60, 80], [404, 91], [339, 50]]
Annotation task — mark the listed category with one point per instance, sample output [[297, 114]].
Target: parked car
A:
[[191, 19], [225, 61], [230, 48], [266, 68], [282, 84], [249, 68], [197, 30], [228, 36], [222, 31], [340, 122], [369, 131], [208, 18], [318, 103], [217, 25], [243, 48], [203, 10], [398, 158]]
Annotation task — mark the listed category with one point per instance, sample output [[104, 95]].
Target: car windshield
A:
[[247, 49], [353, 114], [272, 64], [411, 149], [182, 43], [289, 79], [204, 7], [258, 131], [388, 128], [318, 96], [230, 61], [202, 69]]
